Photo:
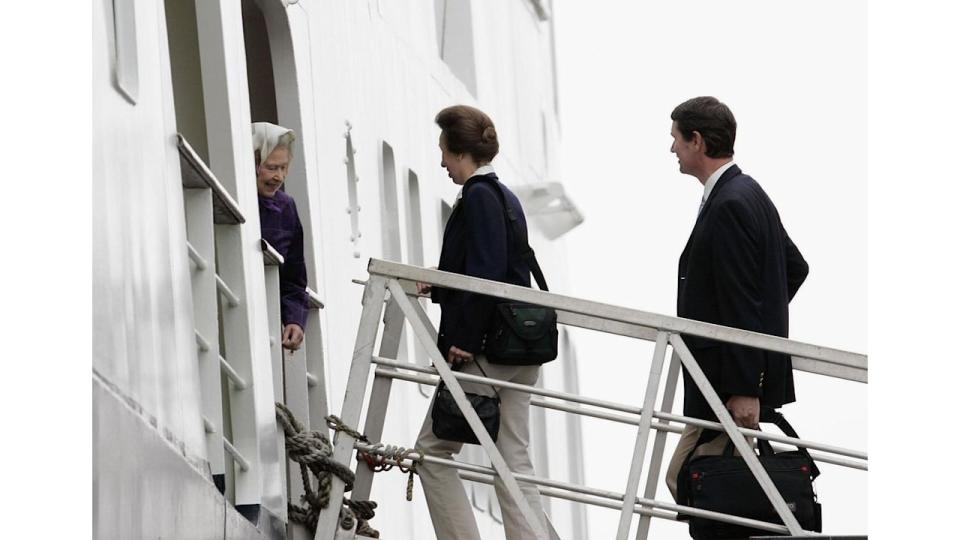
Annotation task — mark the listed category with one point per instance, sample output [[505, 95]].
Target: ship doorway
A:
[[275, 88], [183, 44], [262, 88]]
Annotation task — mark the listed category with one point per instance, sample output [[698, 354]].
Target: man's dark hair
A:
[[712, 119], [469, 130]]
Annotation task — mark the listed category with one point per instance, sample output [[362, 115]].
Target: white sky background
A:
[[796, 79]]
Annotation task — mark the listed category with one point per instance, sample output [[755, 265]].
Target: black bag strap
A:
[[519, 235], [442, 384]]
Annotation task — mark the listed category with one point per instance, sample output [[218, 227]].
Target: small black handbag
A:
[[725, 484], [449, 423], [521, 334]]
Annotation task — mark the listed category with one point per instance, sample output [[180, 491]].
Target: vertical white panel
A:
[[198, 204], [240, 260]]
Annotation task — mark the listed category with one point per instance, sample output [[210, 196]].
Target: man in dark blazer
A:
[[738, 269]]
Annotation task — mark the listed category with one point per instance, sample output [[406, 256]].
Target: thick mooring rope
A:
[[313, 451]]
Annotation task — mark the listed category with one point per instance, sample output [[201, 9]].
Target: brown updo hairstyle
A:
[[468, 130]]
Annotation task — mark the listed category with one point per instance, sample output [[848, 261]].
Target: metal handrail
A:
[[314, 298], [630, 420], [271, 257], [195, 256], [202, 343], [467, 377], [232, 299], [237, 456], [194, 173], [598, 310], [232, 374]]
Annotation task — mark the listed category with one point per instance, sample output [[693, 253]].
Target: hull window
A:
[[126, 76], [455, 39]]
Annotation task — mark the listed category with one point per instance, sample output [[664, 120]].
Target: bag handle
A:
[[772, 416], [519, 235], [768, 415]]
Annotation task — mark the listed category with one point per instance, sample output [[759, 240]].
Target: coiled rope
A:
[[314, 453]]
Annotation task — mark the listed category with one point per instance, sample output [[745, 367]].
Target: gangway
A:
[[388, 292]]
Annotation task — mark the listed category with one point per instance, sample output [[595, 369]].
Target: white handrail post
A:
[[271, 275], [315, 365], [198, 206], [379, 395], [739, 441], [643, 435], [470, 415], [373, 295], [656, 461]]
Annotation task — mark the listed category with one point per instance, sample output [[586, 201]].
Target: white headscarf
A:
[[267, 137]]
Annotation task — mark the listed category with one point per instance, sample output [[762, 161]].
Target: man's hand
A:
[[457, 356], [745, 410], [292, 336]]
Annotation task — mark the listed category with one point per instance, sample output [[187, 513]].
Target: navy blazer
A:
[[739, 269], [477, 242]]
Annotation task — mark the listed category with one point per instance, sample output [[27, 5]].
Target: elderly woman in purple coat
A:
[[280, 225]]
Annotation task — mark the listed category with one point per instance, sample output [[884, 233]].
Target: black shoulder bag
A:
[[725, 484], [521, 334], [449, 423]]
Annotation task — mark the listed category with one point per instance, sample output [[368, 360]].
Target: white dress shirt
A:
[[712, 181]]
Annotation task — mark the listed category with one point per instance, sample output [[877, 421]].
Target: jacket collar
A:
[[733, 171]]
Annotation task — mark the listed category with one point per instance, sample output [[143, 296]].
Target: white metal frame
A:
[[663, 330]]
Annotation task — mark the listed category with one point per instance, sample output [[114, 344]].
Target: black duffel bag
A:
[[449, 423], [521, 334], [725, 484]]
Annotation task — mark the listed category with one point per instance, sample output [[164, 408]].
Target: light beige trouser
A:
[[687, 441], [450, 511]]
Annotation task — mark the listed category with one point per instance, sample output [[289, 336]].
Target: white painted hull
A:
[[371, 65]]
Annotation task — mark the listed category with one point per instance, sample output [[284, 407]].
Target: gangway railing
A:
[[387, 283]]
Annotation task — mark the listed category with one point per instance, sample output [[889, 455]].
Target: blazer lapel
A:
[[723, 180]]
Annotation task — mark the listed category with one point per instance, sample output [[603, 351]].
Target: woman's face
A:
[[459, 166], [273, 171]]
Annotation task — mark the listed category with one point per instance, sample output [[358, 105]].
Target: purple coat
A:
[[280, 226]]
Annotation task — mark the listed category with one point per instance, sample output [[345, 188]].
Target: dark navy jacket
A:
[[739, 269], [477, 242], [280, 227]]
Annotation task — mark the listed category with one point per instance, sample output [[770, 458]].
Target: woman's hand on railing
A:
[[292, 336], [457, 356], [423, 288]]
